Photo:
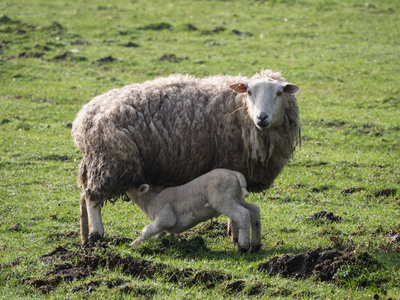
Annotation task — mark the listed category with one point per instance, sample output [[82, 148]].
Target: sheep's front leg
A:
[[96, 229], [84, 220], [148, 231]]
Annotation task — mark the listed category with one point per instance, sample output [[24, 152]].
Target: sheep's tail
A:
[[243, 184]]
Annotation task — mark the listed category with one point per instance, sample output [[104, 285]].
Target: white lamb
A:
[[177, 209]]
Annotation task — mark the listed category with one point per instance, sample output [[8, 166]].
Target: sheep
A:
[[170, 130], [177, 209]]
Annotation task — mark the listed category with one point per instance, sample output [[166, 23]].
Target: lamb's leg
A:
[[96, 229], [84, 220], [166, 219], [255, 220], [233, 231], [148, 231], [160, 235], [241, 216]]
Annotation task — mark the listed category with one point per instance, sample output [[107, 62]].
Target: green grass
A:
[[344, 56]]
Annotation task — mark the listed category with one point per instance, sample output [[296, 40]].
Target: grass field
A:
[[57, 55]]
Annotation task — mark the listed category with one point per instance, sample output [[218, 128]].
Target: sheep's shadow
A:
[[193, 246]]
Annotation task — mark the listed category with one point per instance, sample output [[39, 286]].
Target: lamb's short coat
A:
[[177, 209]]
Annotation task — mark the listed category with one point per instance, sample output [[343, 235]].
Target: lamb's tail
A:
[[243, 183]]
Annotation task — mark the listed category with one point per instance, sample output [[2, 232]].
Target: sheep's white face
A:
[[266, 100]]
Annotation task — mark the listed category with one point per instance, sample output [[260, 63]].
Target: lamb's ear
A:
[[240, 87], [290, 88], [144, 188]]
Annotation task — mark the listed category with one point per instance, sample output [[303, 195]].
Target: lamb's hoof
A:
[[134, 243], [255, 248], [242, 250]]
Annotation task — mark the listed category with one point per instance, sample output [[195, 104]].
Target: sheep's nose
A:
[[262, 119]]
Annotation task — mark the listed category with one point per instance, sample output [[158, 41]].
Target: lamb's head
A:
[[137, 193], [266, 100], [143, 189]]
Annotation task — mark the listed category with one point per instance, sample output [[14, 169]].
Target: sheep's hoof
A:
[[255, 248], [94, 237], [242, 250], [88, 245]]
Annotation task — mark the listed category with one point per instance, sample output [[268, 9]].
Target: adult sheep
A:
[[171, 130]]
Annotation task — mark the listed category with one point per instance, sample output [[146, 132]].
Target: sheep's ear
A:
[[290, 88], [240, 87], [144, 188]]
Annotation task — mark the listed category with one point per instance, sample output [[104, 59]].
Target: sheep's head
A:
[[266, 100]]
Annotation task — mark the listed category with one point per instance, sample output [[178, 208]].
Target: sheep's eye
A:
[[279, 94], [249, 93]]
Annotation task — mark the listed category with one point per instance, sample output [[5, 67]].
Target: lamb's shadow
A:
[[179, 246], [192, 246]]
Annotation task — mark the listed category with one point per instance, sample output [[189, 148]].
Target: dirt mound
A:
[[352, 190], [66, 265], [325, 215], [323, 265], [385, 192]]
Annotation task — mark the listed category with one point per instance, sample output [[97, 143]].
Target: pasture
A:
[[341, 191]]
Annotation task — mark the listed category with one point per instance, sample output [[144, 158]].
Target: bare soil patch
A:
[[323, 215], [385, 192], [66, 265], [323, 265], [352, 190]]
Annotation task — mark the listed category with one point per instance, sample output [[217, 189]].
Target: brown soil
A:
[[66, 265], [385, 192], [323, 265], [324, 215]]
